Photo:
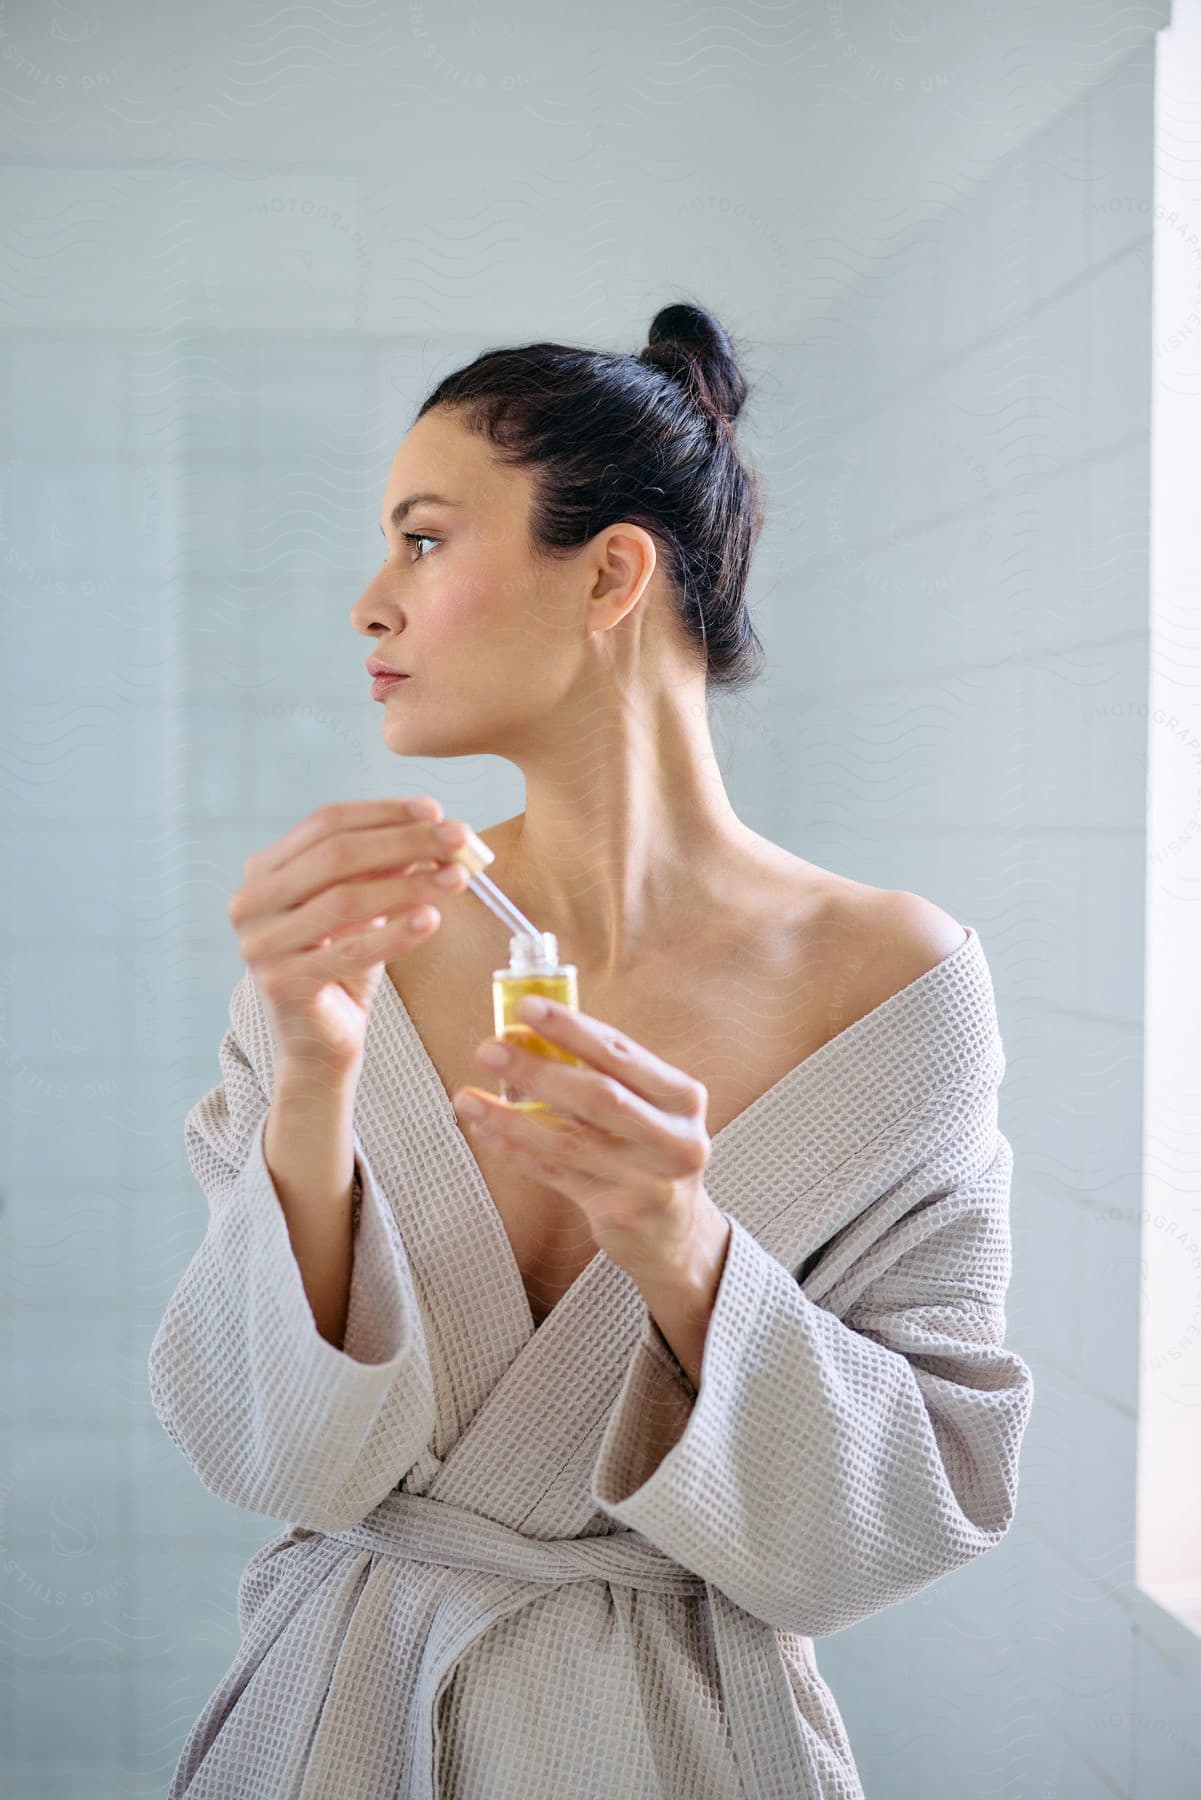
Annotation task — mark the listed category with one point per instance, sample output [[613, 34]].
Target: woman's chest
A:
[[738, 1029]]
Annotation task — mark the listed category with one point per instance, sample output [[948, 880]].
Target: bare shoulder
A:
[[871, 942], [914, 934], [900, 936]]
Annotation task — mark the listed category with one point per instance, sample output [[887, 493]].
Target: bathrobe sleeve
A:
[[269, 1414], [838, 1457]]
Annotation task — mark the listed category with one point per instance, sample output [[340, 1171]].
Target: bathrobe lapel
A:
[[522, 1410]]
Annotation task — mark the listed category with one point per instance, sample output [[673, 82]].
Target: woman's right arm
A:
[[270, 1414], [308, 1146], [291, 1367]]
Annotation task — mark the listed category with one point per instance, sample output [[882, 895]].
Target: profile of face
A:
[[493, 637]]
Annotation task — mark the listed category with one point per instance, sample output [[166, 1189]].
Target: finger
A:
[[336, 909], [605, 1139], [335, 956], [658, 1082], [340, 815], [573, 1156], [568, 1154], [578, 1092], [345, 856]]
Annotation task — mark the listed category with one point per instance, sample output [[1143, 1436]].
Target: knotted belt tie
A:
[[418, 1528], [421, 1529]]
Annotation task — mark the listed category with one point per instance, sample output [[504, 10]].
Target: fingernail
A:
[[467, 1103], [533, 1008], [495, 1055]]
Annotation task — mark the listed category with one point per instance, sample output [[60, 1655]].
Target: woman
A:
[[584, 1430]]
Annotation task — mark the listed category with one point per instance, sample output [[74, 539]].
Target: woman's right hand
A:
[[323, 909]]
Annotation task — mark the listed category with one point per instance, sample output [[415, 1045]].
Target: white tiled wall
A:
[[958, 658], [953, 592]]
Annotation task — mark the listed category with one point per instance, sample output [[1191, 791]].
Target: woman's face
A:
[[490, 638]]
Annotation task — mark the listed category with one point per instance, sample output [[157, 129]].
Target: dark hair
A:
[[648, 438]]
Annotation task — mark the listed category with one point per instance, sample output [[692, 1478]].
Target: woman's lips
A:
[[383, 684]]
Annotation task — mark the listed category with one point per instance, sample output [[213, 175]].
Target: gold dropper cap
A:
[[474, 854]]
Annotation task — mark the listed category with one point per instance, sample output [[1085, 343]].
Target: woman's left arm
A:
[[828, 1467], [832, 1459]]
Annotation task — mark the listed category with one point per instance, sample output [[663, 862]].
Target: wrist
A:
[[680, 1300], [322, 1086], [693, 1279]]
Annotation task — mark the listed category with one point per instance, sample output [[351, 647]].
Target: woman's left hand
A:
[[624, 1139]]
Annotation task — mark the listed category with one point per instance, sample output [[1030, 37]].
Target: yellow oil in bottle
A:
[[534, 968]]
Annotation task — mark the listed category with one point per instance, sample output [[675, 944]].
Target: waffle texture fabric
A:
[[536, 1563]]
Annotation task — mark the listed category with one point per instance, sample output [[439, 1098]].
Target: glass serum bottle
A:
[[534, 968]]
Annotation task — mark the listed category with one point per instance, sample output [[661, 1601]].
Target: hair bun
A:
[[690, 344]]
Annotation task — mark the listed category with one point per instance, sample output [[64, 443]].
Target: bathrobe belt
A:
[[420, 1528]]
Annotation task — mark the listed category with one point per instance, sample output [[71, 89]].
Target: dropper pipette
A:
[[475, 856], [485, 889]]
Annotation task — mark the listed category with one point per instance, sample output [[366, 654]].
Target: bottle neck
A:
[[533, 955]]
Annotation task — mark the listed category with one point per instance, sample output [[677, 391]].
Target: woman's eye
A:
[[414, 537]]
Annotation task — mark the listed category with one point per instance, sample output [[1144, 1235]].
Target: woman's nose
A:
[[372, 611]]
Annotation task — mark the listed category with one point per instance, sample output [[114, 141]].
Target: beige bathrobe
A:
[[491, 1586]]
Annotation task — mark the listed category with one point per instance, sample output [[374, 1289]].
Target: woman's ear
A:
[[627, 558]]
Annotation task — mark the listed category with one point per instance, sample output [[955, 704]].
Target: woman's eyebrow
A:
[[403, 507]]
